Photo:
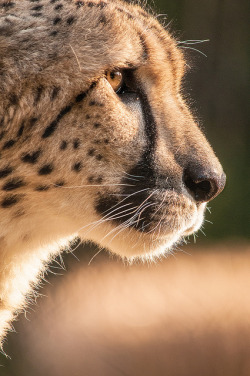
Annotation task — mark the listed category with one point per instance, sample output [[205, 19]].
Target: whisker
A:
[[195, 49], [130, 195], [193, 41], [104, 219], [97, 253], [202, 232], [124, 225], [93, 185], [208, 209], [134, 176], [206, 220]]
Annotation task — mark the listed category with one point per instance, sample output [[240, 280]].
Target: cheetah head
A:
[[96, 138]]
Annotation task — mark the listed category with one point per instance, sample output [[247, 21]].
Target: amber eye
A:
[[115, 78]]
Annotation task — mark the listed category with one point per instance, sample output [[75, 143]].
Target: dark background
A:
[[183, 317]]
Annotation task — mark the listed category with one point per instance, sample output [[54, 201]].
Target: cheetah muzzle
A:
[[96, 139]]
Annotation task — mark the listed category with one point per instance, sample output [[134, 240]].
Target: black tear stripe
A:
[[53, 125], [145, 171], [145, 167]]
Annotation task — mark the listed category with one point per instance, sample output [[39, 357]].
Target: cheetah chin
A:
[[96, 138]]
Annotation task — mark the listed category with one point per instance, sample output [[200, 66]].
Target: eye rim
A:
[[127, 84]]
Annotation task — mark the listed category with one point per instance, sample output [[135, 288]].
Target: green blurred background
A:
[[219, 86]]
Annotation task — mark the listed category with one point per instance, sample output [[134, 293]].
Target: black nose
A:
[[203, 185]]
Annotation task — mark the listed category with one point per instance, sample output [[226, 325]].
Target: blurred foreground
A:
[[186, 315]]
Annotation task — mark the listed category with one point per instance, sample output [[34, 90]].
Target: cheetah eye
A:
[[122, 81], [115, 78]]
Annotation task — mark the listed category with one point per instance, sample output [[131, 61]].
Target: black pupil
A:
[[128, 83]]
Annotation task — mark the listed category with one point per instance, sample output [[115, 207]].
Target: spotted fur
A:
[[130, 171]]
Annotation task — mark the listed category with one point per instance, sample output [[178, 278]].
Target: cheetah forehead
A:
[[79, 39]]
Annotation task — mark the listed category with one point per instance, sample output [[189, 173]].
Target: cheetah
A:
[[96, 138]]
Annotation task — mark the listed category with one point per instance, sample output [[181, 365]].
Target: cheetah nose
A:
[[203, 185]]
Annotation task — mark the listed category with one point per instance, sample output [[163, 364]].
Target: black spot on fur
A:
[[99, 157], [20, 130], [102, 19], [53, 1], [77, 166], [106, 141], [70, 20], [31, 158], [58, 7], [99, 180], [97, 125], [9, 144], [5, 172], [76, 143], [59, 183], [52, 55], [79, 4], [37, 7], [38, 94], [63, 145], [53, 33], [14, 183], [143, 13], [90, 179], [33, 121], [56, 20], [10, 200], [55, 92], [94, 103], [46, 169], [38, 14], [88, 116], [40, 188], [125, 12], [8, 4], [101, 4], [90, 4], [13, 99], [91, 152]]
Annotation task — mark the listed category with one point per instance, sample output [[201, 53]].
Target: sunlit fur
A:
[[67, 139]]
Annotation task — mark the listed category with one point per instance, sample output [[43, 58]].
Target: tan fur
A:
[[50, 53]]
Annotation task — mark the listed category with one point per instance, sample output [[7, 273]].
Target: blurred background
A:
[[190, 313]]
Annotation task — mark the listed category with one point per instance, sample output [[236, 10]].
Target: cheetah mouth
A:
[[152, 212]]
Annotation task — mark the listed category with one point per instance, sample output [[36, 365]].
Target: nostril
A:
[[203, 188]]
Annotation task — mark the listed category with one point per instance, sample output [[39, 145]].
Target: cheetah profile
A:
[[96, 139]]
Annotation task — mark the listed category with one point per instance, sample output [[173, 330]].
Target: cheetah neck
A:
[[22, 267]]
